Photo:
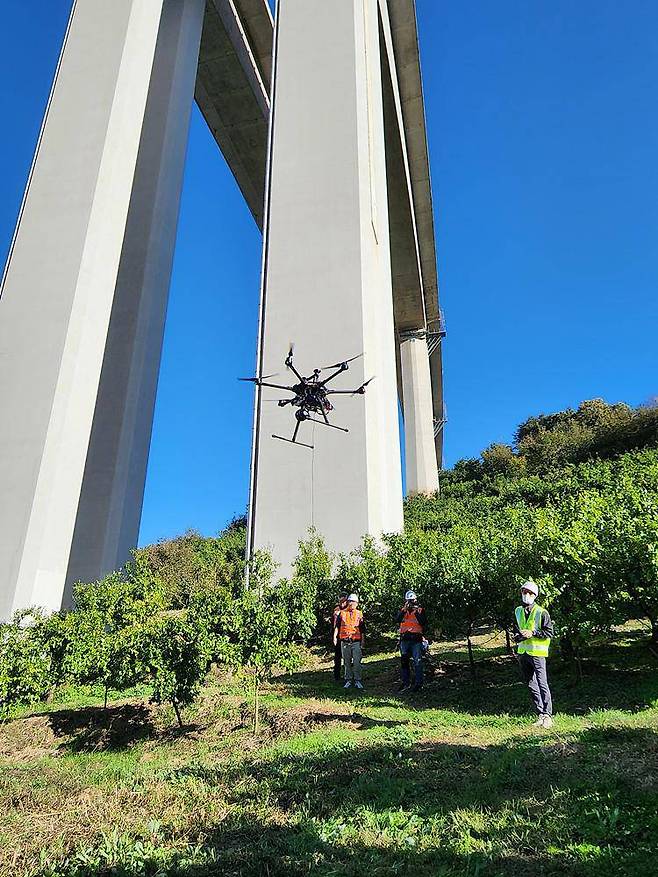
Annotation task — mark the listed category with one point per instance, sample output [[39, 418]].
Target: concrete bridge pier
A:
[[421, 467], [327, 284], [84, 295]]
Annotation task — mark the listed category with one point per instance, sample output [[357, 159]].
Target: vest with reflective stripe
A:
[[410, 623], [350, 619], [537, 646]]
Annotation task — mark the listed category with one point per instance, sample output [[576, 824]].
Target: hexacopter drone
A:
[[310, 395]]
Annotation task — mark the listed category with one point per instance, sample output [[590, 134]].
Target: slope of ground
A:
[[453, 781]]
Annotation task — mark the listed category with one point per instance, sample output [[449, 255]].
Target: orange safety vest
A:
[[350, 619], [409, 623]]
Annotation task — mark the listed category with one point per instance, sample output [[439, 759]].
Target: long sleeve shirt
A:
[[545, 630]]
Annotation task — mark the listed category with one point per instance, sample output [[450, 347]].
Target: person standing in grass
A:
[[342, 604], [350, 630], [412, 624], [534, 631]]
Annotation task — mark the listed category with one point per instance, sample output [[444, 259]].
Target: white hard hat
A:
[[530, 586], [410, 595], [353, 598]]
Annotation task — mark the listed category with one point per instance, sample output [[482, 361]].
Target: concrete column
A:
[[327, 284], [420, 452], [84, 295]]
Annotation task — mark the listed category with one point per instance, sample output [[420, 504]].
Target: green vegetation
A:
[[157, 626], [452, 783]]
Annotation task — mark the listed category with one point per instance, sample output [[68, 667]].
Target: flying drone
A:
[[310, 396]]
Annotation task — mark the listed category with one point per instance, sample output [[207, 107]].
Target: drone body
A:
[[310, 395]]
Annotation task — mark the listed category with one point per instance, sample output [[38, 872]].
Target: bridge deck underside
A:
[[232, 91]]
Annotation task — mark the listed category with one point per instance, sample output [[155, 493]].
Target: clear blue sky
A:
[[544, 149]]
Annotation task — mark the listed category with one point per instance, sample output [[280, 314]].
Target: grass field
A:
[[453, 781]]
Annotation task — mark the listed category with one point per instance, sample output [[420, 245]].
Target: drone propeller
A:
[[256, 380], [361, 390], [339, 364]]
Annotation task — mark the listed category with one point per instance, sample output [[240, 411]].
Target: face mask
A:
[[528, 599]]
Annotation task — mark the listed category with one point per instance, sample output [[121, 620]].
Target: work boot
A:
[[548, 722], [348, 684]]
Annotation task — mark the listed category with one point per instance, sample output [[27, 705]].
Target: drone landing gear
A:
[[326, 423], [292, 441]]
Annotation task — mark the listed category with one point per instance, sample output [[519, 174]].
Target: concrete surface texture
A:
[[349, 267], [235, 66], [420, 457], [327, 285], [84, 294]]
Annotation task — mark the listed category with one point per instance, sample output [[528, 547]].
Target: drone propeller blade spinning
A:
[[257, 380], [340, 364], [358, 392]]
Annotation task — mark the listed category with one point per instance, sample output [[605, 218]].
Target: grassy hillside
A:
[[454, 781]]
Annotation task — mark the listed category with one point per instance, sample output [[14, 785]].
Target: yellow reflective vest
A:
[[537, 646]]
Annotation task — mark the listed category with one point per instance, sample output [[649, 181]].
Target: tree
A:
[[630, 536], [500, 459], [24, 660], [105, 632], [365, 572], [177, 649], [570, 555], [312, 576], [271, 620], [192, 563]]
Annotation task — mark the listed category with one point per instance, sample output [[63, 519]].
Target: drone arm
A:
[[346, 392], [326, 423], [292, 367], [334, 375], [274, 386]]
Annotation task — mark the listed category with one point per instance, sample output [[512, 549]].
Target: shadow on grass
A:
[[358, 721], [93, 729], [622, 675], [537, 807]]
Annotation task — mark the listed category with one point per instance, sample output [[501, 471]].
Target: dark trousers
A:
[[338, 658], [414, 651], [534, 675]]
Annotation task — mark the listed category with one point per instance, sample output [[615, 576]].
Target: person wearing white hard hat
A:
[[534, 631], [412, 623], [350, 630]]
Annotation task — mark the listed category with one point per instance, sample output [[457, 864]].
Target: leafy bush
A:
[[561, 506], [24, 660]]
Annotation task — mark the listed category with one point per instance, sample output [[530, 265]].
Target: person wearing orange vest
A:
[[349, 630], [412, 624], [342, 604], [534, 631]]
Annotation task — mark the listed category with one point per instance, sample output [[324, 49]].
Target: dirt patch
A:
[[88, 729], [315, 715], [92, 729], [23, 740]]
